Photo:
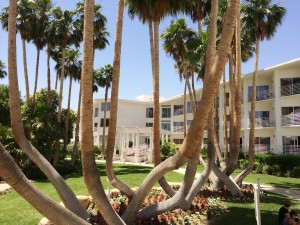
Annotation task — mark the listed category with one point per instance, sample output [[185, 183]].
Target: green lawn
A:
[[282, 182], [15, 210]]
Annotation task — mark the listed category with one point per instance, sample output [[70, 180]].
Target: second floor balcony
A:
[[290, 120], [261, 95]]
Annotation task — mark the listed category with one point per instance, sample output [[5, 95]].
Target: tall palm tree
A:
[[40, 20], [90, 172], [3, 73], [23, 23], [104, 78], [65, 31], [261, 18], [64, 191]]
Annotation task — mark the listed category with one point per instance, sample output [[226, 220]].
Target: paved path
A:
[[294, 194]]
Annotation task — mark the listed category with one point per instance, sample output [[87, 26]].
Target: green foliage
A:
[[168, 149], [272, 164], [130, 144], [4, 105], [295, 172]]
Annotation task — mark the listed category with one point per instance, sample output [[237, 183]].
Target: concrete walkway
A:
[[293, 194]]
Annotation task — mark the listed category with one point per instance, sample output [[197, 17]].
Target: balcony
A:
[[262, 148], [290, 89], [263, 122], [291, 149], [290, 120], [262, 95]]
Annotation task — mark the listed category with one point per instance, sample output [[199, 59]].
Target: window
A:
[[95, 127], [178, 110], [149, 112], [290, 86], [262, 93], [227, 99], [190, 108], [290, 115], [166, 125], [178, 127], [149, 124], [166, 113], [291, 144], [261, 114], [178, 141], [107, 106], [96, 113], [102, 123], [262, 144]]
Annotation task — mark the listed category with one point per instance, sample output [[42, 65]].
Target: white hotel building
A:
[[277, 127]]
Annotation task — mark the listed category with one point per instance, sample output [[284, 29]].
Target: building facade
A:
[[277, 116]]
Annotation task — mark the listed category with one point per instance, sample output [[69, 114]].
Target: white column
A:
[[162, 138]]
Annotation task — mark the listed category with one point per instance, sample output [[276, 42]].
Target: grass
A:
[[265, 179], [241, 213], [15, 210]]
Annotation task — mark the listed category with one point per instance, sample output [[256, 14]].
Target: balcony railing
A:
[[291, 149], [178, 128], [291, 119], [262, 95], [258, 148], [263, 122], [290, 89]]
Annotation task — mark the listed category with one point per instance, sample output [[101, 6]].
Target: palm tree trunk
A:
[[48, 77], [25, 71], [104, 123], [156, 131], [12, 174], [114, 107], [250, 165], [90, 172], [199, 23], [225, 121], [56, 81], [194, 90], [75, 149], [68, 114], [185, 111], [190, 147], [62, 76], [36, 72], [63, 190], [191, 95]]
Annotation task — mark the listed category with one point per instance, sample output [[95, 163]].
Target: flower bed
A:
[[207, 205]]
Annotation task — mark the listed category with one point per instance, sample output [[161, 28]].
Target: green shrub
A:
[[242, 163], [295, 172], [168, 149]]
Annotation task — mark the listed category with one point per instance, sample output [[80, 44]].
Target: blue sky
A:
[[136, 78]]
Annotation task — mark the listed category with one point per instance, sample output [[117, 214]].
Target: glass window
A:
[[261, 114], [166, 125], [227, 99], [166, 112], [190, 108], [149, 124], [178, 141], [102, 123], [96, 113], [149, 112], [178, 110], [107, 106]]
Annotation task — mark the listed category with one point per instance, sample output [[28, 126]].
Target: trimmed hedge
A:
[[273, 164]]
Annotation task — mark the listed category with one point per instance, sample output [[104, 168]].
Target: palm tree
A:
[[90, 172], [104, 78], [64, 191], [23, 23], [65, 31], [3, 73], [40, 20], [261, 18]]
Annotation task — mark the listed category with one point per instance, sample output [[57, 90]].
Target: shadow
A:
[[288, 185]]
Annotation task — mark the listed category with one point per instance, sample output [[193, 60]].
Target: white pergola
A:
[[140, 150]]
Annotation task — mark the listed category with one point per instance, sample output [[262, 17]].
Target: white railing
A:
[[262, 95], [290, 89], [291, 149], [258, 148], [263, 122], [291, 119]]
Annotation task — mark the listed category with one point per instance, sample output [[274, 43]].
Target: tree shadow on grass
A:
[[286, 184]]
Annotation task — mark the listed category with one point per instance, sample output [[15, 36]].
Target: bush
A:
[[295, 172], [168, 149]]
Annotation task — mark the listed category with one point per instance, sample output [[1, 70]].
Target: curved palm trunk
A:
[[63, 190], [42, 203], [191, 96], [36, 72], [225, 121], [75, 148], [62, 76], [68, 115], [190, 147], [114, 107], [194, 90], [48, 77], [56, 81], [250, 165], [104, 124], [25, 71], [162, 181], [90, 172]]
